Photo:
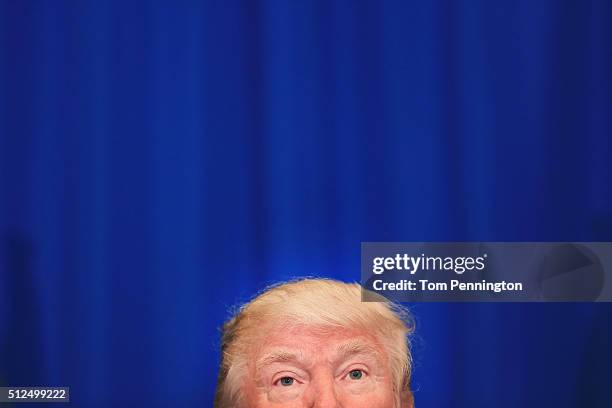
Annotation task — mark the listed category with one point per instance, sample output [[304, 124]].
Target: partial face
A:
[[305, 368]]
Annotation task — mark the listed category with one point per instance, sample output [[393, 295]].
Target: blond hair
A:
[[313, 302]]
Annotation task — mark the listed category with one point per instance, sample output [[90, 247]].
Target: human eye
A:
[[356, 381], [356, 374], [286, 386], [285, 381]]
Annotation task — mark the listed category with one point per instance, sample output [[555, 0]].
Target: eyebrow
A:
[[279, 356], [355, 348]]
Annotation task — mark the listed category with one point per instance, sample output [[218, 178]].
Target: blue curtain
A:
[[162, 161]]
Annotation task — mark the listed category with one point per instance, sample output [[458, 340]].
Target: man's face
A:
[[305, 368]]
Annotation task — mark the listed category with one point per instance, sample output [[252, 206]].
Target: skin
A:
[[308, 368]]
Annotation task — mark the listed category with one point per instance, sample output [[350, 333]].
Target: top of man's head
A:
[[317, 307]]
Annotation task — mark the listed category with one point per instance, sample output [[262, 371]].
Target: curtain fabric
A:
[[163, 161]]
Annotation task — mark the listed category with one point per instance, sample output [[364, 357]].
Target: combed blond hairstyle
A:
[[322, 303]]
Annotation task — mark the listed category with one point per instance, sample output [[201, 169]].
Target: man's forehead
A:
[[303, 336]]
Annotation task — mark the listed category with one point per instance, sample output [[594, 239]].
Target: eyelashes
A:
[[285, 381], [356, 374]]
